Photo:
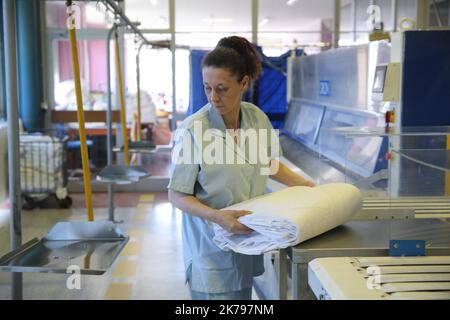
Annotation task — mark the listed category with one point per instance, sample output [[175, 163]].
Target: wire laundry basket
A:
[[43, 174]]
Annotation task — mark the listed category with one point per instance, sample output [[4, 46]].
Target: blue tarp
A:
[[271, 97], [270, 90], [197, 97]]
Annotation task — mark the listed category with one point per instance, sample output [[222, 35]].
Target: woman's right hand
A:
[[228, 219]]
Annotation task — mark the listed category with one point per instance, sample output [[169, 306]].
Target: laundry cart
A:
[[43, 175]]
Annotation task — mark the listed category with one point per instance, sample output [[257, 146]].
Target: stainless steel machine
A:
[[377, 116]]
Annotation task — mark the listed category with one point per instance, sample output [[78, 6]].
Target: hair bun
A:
[[236, 43], [245, 49]]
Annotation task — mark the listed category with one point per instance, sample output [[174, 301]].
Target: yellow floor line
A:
[[119, 291], [139, 217], [147, 198], [135, 233], [145, 206], [133, 248], [125, 269]]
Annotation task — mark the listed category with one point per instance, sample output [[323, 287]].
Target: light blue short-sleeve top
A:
[[202, 166]]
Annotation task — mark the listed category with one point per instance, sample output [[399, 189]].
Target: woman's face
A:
[[223, 89]]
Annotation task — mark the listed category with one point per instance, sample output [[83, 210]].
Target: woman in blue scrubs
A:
[[202, 182]]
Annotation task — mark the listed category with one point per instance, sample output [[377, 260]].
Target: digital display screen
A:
[[380, 76]]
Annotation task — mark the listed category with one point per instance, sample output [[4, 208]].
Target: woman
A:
[[201, 187]]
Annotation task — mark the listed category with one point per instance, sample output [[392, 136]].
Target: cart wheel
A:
[[28, 203], [65, 203]]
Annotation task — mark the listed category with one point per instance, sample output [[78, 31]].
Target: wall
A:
[[97, 65]]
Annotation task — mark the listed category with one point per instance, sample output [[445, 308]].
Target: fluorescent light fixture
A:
[[290, 2], [220, 20], [154, 2], [264, 21]]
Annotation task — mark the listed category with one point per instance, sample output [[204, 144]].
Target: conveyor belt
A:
[[415, 207], [415, 286], [401, 261], [387, 278], [414, 277], [408, 269]]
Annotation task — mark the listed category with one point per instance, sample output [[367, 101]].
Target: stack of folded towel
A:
[[290, 216]]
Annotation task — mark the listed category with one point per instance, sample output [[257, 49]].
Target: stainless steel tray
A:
[[138, 147], [91, 247], [121, 174]]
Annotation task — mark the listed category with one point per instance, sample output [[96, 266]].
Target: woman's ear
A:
[[245, 83]]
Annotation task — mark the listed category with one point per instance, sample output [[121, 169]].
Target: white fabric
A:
[[290, 216], [148, 107], [40, 163]]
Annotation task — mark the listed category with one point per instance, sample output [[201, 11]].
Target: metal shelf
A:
[[90, 246], [120, 174], [135, 150]]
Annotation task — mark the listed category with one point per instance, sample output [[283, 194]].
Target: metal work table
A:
[[358, 238]]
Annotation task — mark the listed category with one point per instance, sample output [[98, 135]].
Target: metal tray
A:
[[121, 174], [90, 247], [120, 150], [138, 147]]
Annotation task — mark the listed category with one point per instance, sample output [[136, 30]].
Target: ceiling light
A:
[[154, 2], [290, 2]]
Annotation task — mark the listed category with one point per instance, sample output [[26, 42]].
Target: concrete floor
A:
[[150, 266]]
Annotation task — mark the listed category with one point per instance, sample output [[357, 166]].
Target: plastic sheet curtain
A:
[[197, 97], [271, 93], [270, 89]]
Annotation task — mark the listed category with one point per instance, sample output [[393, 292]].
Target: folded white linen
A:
[[285, 218]]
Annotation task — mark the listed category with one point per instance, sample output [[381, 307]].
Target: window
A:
[[94, 24], [152, 14], [286, 24]]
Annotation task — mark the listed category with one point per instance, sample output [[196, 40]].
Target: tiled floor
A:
[[150, 266]]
